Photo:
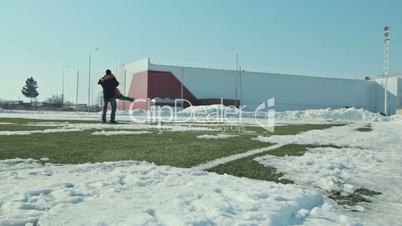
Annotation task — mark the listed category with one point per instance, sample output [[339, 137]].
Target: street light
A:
[[236, 77], [89, 77], [387, 42], [62, 86], [76, 91]]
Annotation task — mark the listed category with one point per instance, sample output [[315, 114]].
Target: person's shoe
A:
[[113, 122], [104, 121], [131, 99]]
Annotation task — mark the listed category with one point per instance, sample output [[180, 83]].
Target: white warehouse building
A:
[[204, 86]]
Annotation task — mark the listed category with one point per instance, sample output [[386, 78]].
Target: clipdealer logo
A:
[[264, 114]]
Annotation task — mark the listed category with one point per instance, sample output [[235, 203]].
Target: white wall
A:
[[291, 92], [394, 94], [305, 92]]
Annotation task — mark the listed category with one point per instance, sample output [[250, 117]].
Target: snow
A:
[[6, 111], [7, 123], [371, 160], [119, 132], [21, 133], [328, 168], [183, 128], [314, 115], [211, 111], [215, 137], [208, 109], [140, 193], [342, 114]]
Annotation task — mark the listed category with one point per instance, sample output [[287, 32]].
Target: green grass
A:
[[181, 149], [169, 148], [367, 192], [296, 149], [366, 128], [358, 196], [248, 167]]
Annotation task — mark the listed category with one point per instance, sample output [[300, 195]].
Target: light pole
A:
[[236, 77], [387, 42], [182, 86], [89, 77], [76, 91], [240, 86], [62, 86], [124, 103]]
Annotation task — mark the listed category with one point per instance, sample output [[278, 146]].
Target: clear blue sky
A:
[[341, 38]]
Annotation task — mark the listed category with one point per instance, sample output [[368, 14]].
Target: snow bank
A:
[[370, 160], [313, 115], [208, 109], [337, 135], [342, 114], [327, 168], [120, 132], [6, 111], [139, 193], [217, 136], [212, 111]]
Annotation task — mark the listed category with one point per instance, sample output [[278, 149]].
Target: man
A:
[[109, 84]]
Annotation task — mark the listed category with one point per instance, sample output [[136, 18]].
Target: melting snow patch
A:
[[19, 133], [367, 160], [120, 132], [218, 136], [328, 168], [181, 128], [7, 123], [140, 193]]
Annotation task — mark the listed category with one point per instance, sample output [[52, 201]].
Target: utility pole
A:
[[387, 43], [76, 91], [240, 86], [236, 76], [124, 103], [182, 86]]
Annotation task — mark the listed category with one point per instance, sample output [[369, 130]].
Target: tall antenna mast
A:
[[387, 43]]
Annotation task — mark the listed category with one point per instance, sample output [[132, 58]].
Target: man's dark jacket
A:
[[109, 84]]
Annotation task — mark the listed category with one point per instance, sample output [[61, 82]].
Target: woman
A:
[[117, 92], [110, 93]]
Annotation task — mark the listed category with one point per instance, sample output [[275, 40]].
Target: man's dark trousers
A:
[[112, 102]]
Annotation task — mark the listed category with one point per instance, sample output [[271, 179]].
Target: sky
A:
[[339, 38]]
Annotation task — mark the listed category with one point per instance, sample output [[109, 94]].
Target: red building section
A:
[[147, 85]]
